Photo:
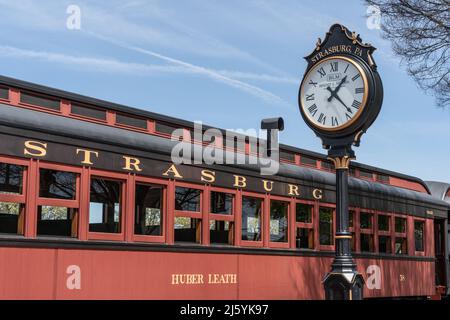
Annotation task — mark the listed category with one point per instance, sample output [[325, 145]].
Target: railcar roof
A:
[[172, 120]]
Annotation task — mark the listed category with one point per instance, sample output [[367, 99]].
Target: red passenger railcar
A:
[[92, 207]]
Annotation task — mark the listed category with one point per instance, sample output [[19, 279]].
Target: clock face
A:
[[334, 93]]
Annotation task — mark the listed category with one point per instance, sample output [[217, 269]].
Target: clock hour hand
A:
[[334, 95], [337, 89]]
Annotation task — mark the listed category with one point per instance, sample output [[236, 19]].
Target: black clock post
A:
[[340, 134]]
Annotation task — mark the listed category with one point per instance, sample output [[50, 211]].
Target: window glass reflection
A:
[[105, 206]]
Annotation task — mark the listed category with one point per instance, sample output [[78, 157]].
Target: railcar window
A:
[[164, 128], [221, 203], [11, 217], [39, 101], [286, 155], [382, 178], [57, 221], [326, 226], [187, 199], [351, 219], [401, 246], [148, 206], [351, 216], [221, 232], [353, 242], [327, 165], [11, 178], [57, 184], [400, 225], [105, 206], [365, 174], [383, 222], [4, 93], [384, 244], [88, 112], [352, 171], [308, 161], [418, 235], [365, 220], [187, 229], [251, 218], [303, 212], [366, 242], [305, 238], [279, 221], [131, 121]]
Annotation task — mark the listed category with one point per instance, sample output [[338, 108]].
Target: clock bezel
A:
[[363, 73]]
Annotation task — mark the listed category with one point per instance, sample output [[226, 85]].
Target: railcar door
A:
[[441, 251]]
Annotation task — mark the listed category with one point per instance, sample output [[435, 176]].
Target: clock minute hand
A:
[[334, 94]]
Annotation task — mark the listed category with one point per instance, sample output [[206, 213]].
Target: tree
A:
[[420, 34]]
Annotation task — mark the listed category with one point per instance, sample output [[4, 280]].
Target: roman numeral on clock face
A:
[[310, 97], [334, 121], [356, 104], [349, 117], [313, 109], [356, 77], [334, 66], [313, 83], [345, 71], [322, 118], [359, 90], [321, 72]]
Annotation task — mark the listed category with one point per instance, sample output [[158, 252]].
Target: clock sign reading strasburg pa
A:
[[334, 93]]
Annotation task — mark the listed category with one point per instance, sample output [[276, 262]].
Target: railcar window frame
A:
[[86, 117], [226, 218], [37, 95], [309, 226], [353, 224], [197, 215], [400, 235], [8, 93], [308, 163], [370, 231], [129, 117], [385, 233], [69, 204], [133, 181], [424, 233], [20, 199], [327, 247], [254, 243], [279, 244], [110, 176]]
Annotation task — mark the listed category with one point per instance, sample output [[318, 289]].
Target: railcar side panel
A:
[[27, 273]]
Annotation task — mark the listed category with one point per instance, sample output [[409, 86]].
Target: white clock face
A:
[[333, 93]]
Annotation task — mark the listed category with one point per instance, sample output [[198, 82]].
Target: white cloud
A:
[[174, 67], [212, 74]]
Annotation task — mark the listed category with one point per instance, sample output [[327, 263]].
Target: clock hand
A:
[[339, 99], [337, 88], [334, 95]]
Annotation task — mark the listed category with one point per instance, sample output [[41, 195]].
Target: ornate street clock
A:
[[340, 97], [341, 92]]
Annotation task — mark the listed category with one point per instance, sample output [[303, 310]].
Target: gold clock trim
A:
[[363, 103]]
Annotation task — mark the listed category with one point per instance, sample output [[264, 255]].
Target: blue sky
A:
[[226, 63]]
